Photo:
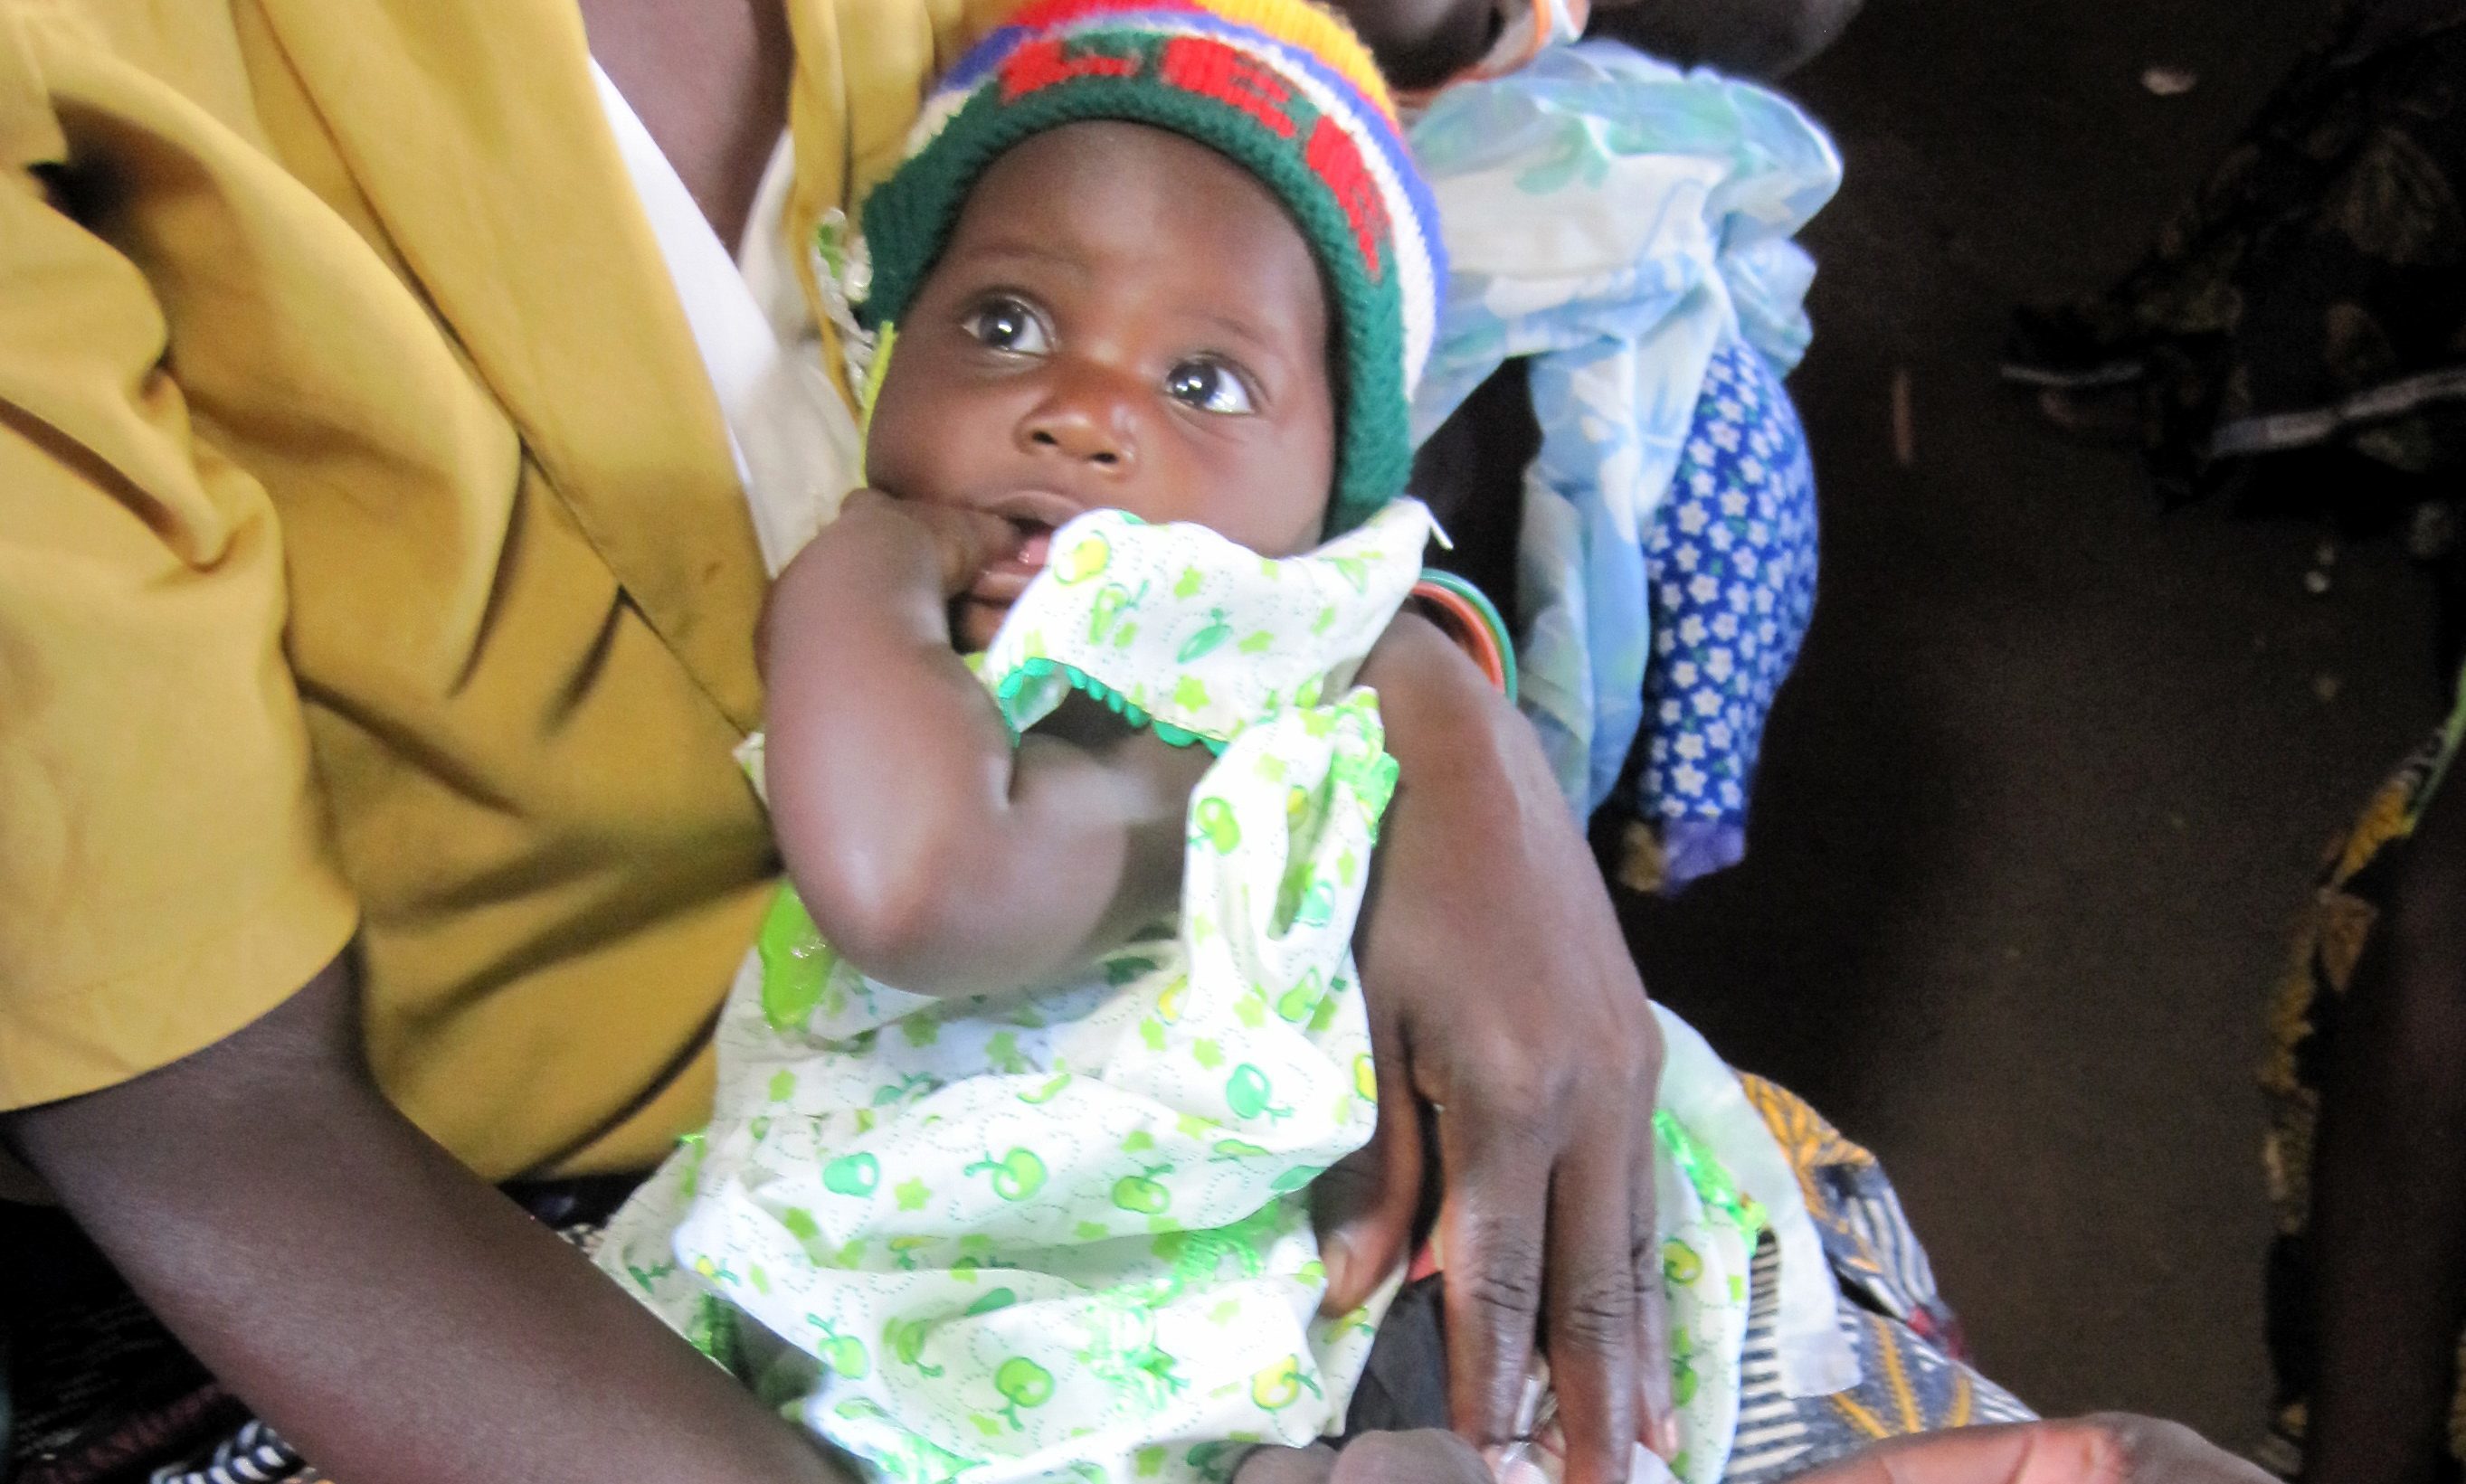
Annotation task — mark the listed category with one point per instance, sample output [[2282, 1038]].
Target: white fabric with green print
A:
[[1060, 1233]]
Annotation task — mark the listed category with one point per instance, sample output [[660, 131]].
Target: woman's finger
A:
[[1491, 1225], [1591, 1316], [1364, 1206], [2157, 1451], [1970, 1455]]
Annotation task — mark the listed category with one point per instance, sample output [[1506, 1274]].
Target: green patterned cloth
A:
[[1061, 1231]]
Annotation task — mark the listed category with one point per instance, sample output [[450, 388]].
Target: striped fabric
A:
[[255, 1455]]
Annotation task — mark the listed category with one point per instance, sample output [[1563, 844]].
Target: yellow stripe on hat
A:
[[1319, 31]]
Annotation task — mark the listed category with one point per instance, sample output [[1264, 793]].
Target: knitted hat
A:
[[1280, 88]]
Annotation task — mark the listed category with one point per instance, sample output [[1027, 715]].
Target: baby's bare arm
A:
[[930, 851]]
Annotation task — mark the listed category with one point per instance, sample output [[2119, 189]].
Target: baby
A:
[[1149, 295]]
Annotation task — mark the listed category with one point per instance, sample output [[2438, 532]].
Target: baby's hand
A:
[[1431, 1456], [965, 541]]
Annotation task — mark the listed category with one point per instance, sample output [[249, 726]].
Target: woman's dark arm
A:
[[2108, 1447], [1502, 997], [383, 1308], [2388, 1181]]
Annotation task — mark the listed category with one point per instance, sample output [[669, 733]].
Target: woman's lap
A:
[[104, 1394]]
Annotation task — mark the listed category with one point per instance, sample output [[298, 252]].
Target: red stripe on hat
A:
[[1332, 155], [1042, 63], [1210, 69]]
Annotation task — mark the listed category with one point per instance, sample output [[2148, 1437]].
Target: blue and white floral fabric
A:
[[1730, 563], [1622, 222]]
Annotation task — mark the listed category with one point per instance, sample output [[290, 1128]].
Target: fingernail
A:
[[1338, 1259], [1514, 1463], [1665, 1435]]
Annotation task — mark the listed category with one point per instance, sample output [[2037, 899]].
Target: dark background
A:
[[2048, 787]]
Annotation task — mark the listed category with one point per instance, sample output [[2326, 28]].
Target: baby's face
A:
[[1123, 319]]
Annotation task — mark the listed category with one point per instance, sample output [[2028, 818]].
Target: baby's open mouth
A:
[[1003, 582], [1034, 514], [1036, 543]]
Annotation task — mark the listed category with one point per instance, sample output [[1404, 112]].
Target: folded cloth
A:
[[1730, 573], [1619, 221]]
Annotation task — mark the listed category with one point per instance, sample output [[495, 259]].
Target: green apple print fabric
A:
[[1059, 1232]]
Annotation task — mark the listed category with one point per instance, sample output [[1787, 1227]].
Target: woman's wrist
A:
[[1416, 670]]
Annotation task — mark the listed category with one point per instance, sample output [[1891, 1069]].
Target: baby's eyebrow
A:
[[1254, 342], [1236, 327], [1001, 248]]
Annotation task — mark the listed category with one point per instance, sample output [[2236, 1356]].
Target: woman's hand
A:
[[1505, 1008], [1752, 38], [2110, 1447], [1423, 43]]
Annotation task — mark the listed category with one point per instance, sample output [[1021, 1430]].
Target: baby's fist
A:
[[965, 541]]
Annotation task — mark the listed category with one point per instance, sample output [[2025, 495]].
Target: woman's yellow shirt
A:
[[372, 567]]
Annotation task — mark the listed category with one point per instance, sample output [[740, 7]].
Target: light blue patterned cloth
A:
[[1619, 221]]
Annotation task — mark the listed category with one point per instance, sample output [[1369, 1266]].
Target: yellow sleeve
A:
[[862, 70], [164, 867]]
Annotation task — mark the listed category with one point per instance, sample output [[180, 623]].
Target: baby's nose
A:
[[1088, 419]]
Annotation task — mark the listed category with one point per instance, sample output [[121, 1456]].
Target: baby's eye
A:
[[1005, 323], [1209, 386]]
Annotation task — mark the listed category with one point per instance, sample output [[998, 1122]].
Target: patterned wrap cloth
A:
[[1730, 582]]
